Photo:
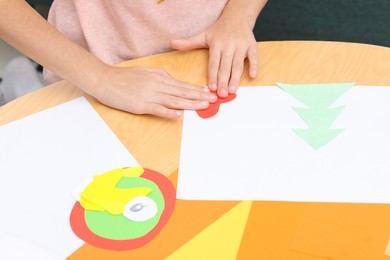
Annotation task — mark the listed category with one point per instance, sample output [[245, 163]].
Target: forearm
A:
[[243, 12], [29, 33]]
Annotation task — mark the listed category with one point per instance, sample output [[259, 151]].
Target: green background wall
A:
[[363, 21]]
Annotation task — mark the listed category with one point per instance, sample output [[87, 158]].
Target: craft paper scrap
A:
[[318, 115], [102, 195], [214, 107], [220, 240], [333, 231], [249, 152], [42, 158]]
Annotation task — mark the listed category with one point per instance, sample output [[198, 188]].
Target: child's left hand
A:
[[230, 42]]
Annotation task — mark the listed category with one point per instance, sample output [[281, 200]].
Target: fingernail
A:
[[205, 89], [178, 113], [222, 92], [212, 98], [253, 73], [232, 89], [203, 104], [213, 86]]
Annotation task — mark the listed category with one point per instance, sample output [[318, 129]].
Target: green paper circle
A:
[[118, 227]]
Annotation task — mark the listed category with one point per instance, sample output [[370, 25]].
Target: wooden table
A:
[[155, 142]]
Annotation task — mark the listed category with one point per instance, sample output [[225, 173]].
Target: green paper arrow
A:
[[316, 95], [318, 116], [317, 137]]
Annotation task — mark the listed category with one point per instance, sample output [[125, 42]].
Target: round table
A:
[[155, 142]]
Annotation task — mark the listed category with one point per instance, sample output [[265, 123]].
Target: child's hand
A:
[[150, 91], [230, 43]]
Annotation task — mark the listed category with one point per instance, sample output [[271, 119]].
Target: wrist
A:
[[99, 81], [242, 13], [91, 78]]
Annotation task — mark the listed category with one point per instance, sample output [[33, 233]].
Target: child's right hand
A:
[[141, 90]]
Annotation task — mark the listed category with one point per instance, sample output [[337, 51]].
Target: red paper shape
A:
[[214, 107], [80, 228]]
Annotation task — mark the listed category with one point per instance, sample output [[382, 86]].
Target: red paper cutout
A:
[[80, 228], [214, 107]]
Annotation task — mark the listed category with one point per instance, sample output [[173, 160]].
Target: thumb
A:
[[195, 42]]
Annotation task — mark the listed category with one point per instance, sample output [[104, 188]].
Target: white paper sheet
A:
[[15, 248], [248, 151], [43, 158]]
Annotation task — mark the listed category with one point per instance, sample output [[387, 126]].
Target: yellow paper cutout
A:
[[101, 194], [115, 202], [220, 240], [133, 171], [89, 205], [387, 251]]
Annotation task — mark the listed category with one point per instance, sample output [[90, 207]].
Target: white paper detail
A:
[[43, 158], [248, 151]]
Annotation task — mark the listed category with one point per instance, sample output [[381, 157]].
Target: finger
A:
[[253, 58], [160, 71], [214, 61], [186, 90], [174, 102], [195, 42], [180, 88], [162, 104], [161, 111], [225, 69], [169, 80], [237, 69]]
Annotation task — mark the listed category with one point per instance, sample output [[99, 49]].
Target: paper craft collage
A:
[[70, 181]]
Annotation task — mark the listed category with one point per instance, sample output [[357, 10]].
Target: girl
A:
[[114, 31]]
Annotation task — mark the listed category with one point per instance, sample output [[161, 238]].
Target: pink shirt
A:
[[117, 30]]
